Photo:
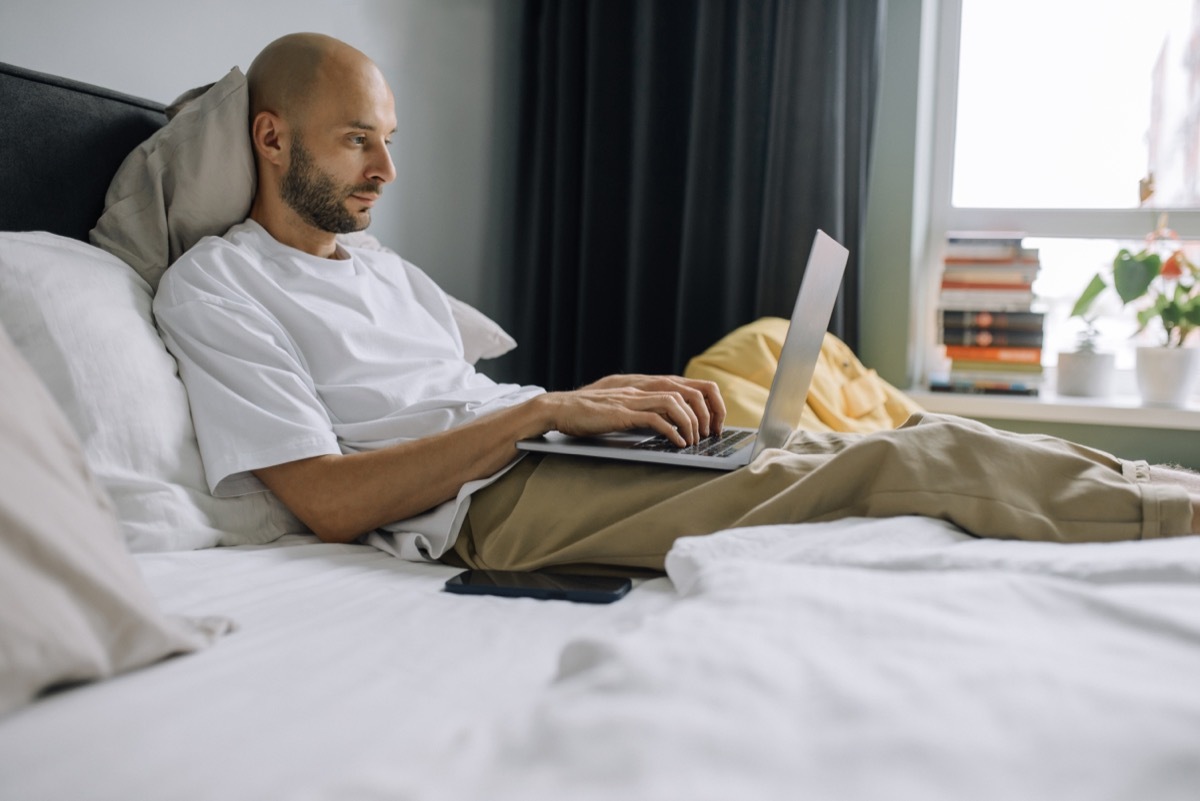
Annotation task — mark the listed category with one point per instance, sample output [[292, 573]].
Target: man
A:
[[334, 377]]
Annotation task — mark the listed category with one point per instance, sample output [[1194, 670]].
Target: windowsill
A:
[[1115, 410]]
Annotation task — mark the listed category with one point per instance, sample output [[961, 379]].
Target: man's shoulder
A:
[[239, 239], [214, 259]]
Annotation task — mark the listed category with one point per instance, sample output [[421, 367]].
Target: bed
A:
[[860, 659]]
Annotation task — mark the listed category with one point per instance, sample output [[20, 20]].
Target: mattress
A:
[[853, 660]]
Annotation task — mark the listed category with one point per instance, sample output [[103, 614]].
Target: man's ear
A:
[[267, 134]]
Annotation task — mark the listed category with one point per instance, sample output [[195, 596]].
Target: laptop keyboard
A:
[[722, 444]]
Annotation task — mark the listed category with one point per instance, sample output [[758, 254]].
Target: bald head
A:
[[321, 119], [292, 72]]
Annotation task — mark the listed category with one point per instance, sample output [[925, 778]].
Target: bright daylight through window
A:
[[1076, 123]]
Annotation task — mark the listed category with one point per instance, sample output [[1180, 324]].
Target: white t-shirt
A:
[[286, 356]]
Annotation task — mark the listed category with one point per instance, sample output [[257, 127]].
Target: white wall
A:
[[449, 63]]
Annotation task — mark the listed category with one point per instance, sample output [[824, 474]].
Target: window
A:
[[1049, 115]]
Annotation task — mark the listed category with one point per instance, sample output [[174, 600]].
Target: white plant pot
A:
[[1085, 374], [1167, 376]]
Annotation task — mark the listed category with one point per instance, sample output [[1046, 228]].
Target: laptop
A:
[[736, 447]]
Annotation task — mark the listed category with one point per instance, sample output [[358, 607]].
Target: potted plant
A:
[[1086, 371], [1166, 290]]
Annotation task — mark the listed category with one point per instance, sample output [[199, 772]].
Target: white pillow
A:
[[73, 606], [482, 337], [194, 177], [82, 319]]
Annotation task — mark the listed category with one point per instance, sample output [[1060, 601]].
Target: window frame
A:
[[1134, 223], [930, 110]]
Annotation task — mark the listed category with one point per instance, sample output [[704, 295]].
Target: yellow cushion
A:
[[844, 396]]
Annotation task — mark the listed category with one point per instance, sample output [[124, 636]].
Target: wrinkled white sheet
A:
[[877, 659], [854, 660], [345, 660]]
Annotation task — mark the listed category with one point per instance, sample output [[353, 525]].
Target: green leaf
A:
[[1089, 296], [1171, 315], [1133, 274], [1144, 317], [1191, 312]]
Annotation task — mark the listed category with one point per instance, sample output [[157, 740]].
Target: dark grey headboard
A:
[[61, 142]]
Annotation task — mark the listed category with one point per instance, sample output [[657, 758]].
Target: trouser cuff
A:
[[1166, 508]]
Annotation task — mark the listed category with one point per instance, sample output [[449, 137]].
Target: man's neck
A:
[[288, 229]]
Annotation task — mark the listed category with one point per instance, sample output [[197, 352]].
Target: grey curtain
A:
[[675, 159]]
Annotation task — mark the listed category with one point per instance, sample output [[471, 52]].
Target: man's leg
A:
[[1181, 477], [995, 483], [569, 511]]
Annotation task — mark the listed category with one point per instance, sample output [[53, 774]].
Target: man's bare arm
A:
[[341, 497]]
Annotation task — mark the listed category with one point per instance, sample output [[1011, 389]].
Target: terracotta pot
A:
[[1167, 376]]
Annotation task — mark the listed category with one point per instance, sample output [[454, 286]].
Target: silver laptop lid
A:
[[802, 346]]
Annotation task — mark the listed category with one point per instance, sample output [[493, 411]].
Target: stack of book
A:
[[987, 323]]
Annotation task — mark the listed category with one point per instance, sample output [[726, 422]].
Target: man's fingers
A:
[[698, 403], [676, 411], [706, 399], [671, 413], [702, 397], [661, 426], [716, 406]]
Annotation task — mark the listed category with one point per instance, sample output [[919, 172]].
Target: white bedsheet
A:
[[346, 660], [853, 660], [878, 659]]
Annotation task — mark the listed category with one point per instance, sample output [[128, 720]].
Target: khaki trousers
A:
[[553, 511]]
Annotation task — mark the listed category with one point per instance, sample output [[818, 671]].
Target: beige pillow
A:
[[193, 178], [73, 606]]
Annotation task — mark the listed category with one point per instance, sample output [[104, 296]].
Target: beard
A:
[[318, 198]]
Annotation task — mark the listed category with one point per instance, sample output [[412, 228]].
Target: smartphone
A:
[[557, 586]]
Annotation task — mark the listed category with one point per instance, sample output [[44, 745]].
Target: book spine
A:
[[982, 354], [981, 318], [991, 368], [998, 375], [987, 337], [987, 286], [990, 300], [998, 274], [984, 389], [989, 262]]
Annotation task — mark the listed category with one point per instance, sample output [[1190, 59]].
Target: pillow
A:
[[82, 319], [194, 177], [844, 395], [482, 337], [73, 606]]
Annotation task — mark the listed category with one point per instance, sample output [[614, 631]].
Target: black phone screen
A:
[[558, 586]]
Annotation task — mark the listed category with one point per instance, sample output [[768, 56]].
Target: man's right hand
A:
[[682, 410]]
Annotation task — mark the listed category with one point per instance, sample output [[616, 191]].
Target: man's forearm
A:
[[341, 497]]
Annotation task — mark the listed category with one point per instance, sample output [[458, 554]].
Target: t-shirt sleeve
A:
[[251, 398]]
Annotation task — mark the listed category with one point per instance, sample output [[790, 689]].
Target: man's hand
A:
[[681, 409]]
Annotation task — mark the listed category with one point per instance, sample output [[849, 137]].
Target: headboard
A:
[[61, 142]]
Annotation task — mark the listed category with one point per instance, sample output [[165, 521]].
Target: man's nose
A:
[[382, 169]]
